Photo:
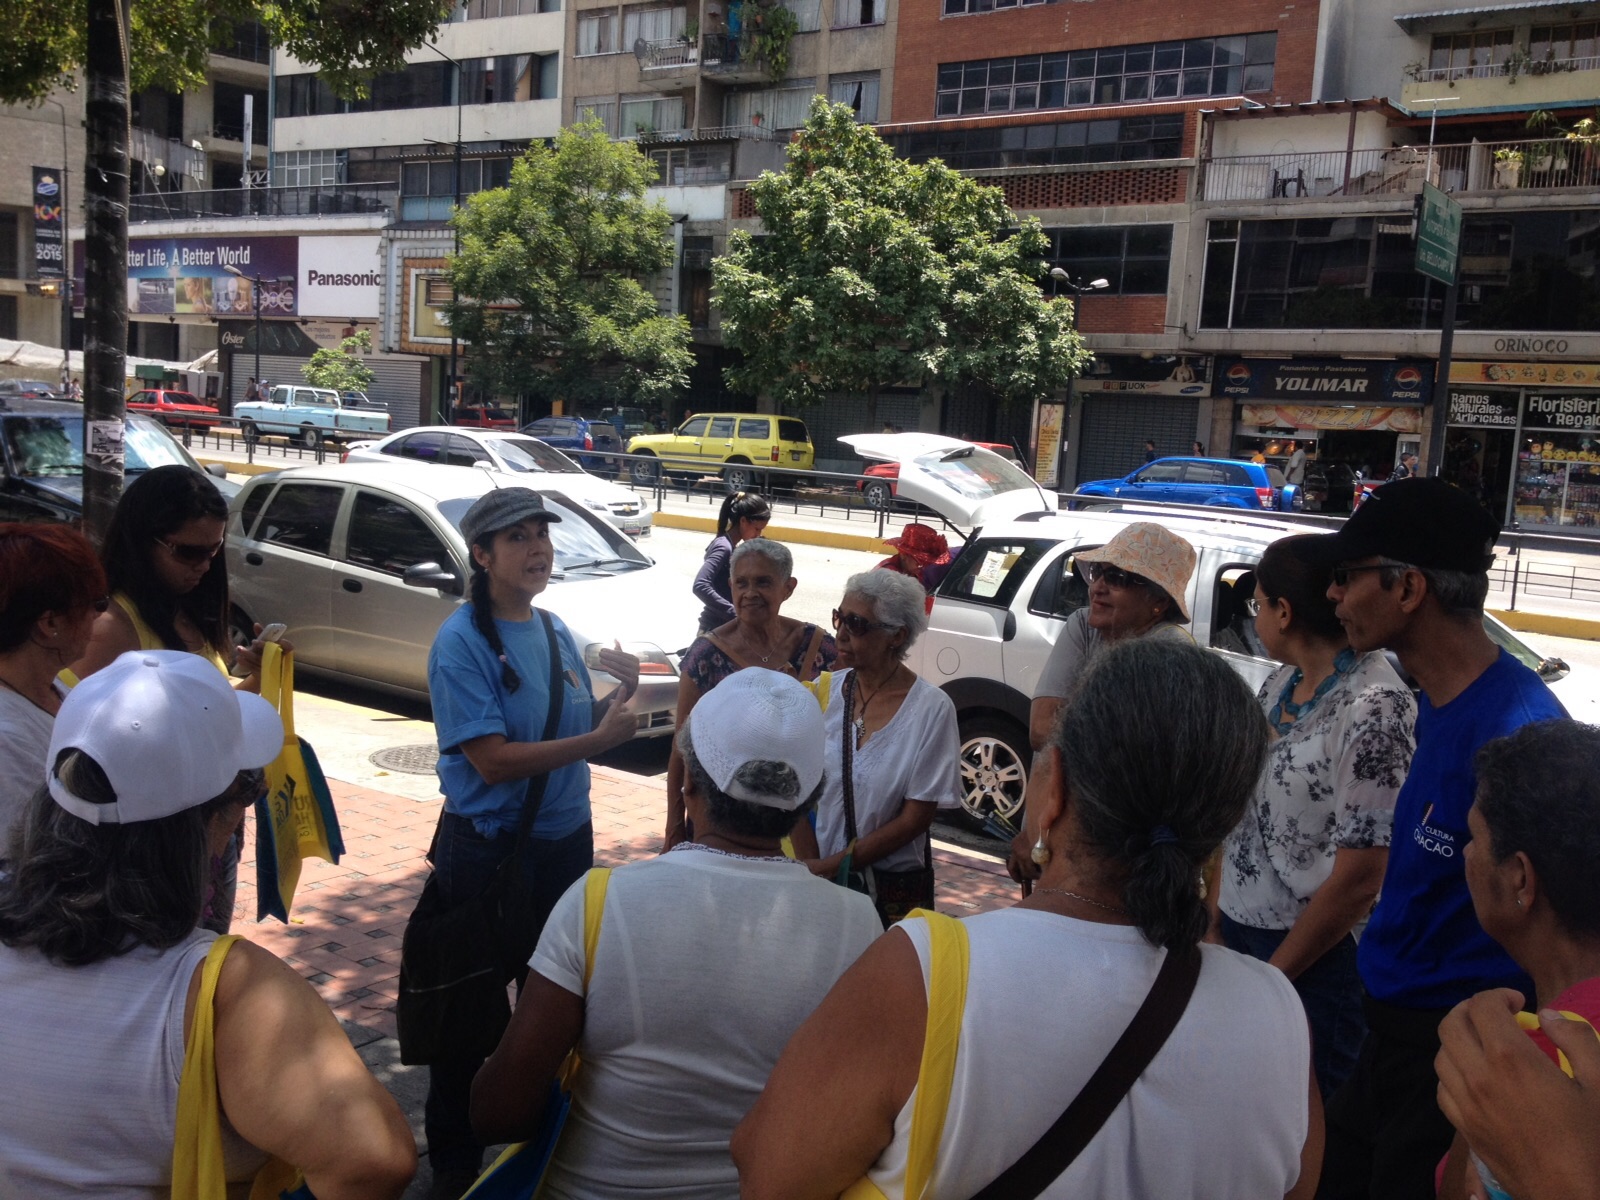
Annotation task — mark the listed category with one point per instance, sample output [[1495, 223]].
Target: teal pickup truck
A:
[[312, 414]]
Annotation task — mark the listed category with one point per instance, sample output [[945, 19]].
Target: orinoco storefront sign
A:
[[1530, 345], [1335, 380]]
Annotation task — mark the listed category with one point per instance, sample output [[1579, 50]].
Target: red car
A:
[[878, 485], [174, 408], [480, 417]]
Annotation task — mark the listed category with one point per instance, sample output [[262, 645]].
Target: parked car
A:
[[998, 611], [364, 562], [516, 454], [589, 440], [1218, 482], [41, 458], [28, 389], [173, 407], [731, 443], [312, 414], [878, 486], [480, 416]]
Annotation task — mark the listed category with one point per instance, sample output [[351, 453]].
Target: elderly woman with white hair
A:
[[892, 746]]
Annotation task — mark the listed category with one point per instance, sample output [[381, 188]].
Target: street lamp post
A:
[[66, 257], [450, 393], [1057, 278], [255, 295]]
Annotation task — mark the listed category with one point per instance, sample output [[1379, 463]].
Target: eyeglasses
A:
[[858, 625], [1341, 575], [190, 552], [1253, 606], [1114, 577]]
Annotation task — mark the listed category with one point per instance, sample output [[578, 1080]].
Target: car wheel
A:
[[877, 495], [737, 475], [994, 769], [645, 471], [250, 433], [310, 437], [241, 629]]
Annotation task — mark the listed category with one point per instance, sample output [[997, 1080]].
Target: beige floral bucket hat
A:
[[1151, 552]]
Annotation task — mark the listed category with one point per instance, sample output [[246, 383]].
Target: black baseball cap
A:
[[501, 509], [1423, 522]]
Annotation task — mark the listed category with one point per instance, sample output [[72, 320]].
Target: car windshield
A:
[[582, 542], [1276, 477], [530, 454], [44, 446], [972, 476]]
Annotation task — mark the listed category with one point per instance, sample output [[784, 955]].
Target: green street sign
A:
[[1438, 235]]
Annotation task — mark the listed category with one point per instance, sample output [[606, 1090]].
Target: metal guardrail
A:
[[265, 202]]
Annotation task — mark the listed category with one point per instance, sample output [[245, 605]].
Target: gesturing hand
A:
[[622, 666]]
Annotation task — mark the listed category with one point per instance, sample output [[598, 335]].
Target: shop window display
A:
[[1558, 478]]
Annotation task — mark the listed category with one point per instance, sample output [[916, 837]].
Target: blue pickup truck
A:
[[312, 414]]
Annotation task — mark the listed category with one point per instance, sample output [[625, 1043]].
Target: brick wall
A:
[[742, 204], [1121, 314], [925, 38]]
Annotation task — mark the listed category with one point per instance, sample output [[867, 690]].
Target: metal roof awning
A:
[[1252, 110], [1411, 22]]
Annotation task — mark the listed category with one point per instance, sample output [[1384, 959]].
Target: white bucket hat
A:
[[757, 715]]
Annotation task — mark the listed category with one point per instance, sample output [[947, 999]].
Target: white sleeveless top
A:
[[90, 1058], [1222, 1109]]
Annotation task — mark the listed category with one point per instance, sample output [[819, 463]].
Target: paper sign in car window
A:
[[993, 572]]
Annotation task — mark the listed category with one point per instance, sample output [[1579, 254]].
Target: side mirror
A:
[[217, 469], [432, 575]]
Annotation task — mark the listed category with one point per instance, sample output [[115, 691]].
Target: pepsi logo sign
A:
[[1408, 377], [1239, 373]]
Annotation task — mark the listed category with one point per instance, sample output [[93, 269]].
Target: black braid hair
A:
[[483, 622]]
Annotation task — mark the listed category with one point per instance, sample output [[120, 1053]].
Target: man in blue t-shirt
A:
[[1410, 573]]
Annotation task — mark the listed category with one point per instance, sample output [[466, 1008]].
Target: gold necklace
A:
[[1110, 908]]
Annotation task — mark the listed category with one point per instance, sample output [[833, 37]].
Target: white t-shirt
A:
[[916, 756], [1221, 1111], [706, 965], [25, 735]]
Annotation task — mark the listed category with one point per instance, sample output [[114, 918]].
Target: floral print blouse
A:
[[707, 665], [1330, 784]]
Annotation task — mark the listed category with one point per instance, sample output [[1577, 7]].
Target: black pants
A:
[[1386, 1134], [464, 864]]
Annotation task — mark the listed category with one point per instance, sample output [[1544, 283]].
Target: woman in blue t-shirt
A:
[[489, 675]]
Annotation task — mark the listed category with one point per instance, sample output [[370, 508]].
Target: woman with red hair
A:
[[51, 589]]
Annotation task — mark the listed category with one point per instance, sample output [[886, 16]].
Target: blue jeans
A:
[[464, 862], [1330, 989]]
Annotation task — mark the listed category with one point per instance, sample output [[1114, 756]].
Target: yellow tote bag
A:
[[197, 1166], [947, 1002], [296, 819]]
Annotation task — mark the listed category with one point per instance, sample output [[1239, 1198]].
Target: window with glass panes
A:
[[597, 33], [857, 12], [1128, 139], [1477, 55], [1132, 259], [860, 92], [649, 114], [308, 168], [1576, 47], [428, 189], [478, 10], [597, 108], [954, 8], [1217, 66], [652, 25]]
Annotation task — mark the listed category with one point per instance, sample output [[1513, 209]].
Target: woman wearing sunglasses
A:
[[168, 579], [51, 588], [1302, 870], [892, 752]]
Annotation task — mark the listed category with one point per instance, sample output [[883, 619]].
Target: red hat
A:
[[925, 545]]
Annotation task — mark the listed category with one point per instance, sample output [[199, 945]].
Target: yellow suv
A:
[[734, 443]]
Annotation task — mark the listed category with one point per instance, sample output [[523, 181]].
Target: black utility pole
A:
[[450, 389], [105, 249], [1441, 382], [255, 294]]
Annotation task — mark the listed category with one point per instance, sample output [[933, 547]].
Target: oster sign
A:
[[1325, 380]]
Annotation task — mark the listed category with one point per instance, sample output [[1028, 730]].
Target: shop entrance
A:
[[1482, 461], [1369, 453]]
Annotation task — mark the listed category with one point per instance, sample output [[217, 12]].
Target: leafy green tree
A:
[[547, 278], [341, 369], [876, 272]]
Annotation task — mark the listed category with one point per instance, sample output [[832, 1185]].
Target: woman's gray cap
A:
[[501, 509]]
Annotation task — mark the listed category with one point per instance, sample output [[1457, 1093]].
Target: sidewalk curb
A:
[[780, 533], [1548, 624]]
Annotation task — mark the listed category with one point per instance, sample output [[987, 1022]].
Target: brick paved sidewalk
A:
[[347, 922]]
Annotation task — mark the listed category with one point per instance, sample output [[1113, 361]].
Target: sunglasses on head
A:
[[190, 552], [858, 625], [1114, 577]]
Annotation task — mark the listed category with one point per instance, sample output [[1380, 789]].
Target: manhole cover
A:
[[412, 760]]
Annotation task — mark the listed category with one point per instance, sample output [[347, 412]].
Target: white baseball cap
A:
[[168, 730], [757, 715]]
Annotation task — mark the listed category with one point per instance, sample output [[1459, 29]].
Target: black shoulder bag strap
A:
[[848, 741], [533, 798], [1074, 1129]]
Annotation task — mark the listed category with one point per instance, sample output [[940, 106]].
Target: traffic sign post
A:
[[1438, 256]]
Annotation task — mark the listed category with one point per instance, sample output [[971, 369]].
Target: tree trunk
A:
[[105, 248]]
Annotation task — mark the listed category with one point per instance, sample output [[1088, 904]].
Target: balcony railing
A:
[[1502, 70], [265, 202], [664, 55], [1399, 171]]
